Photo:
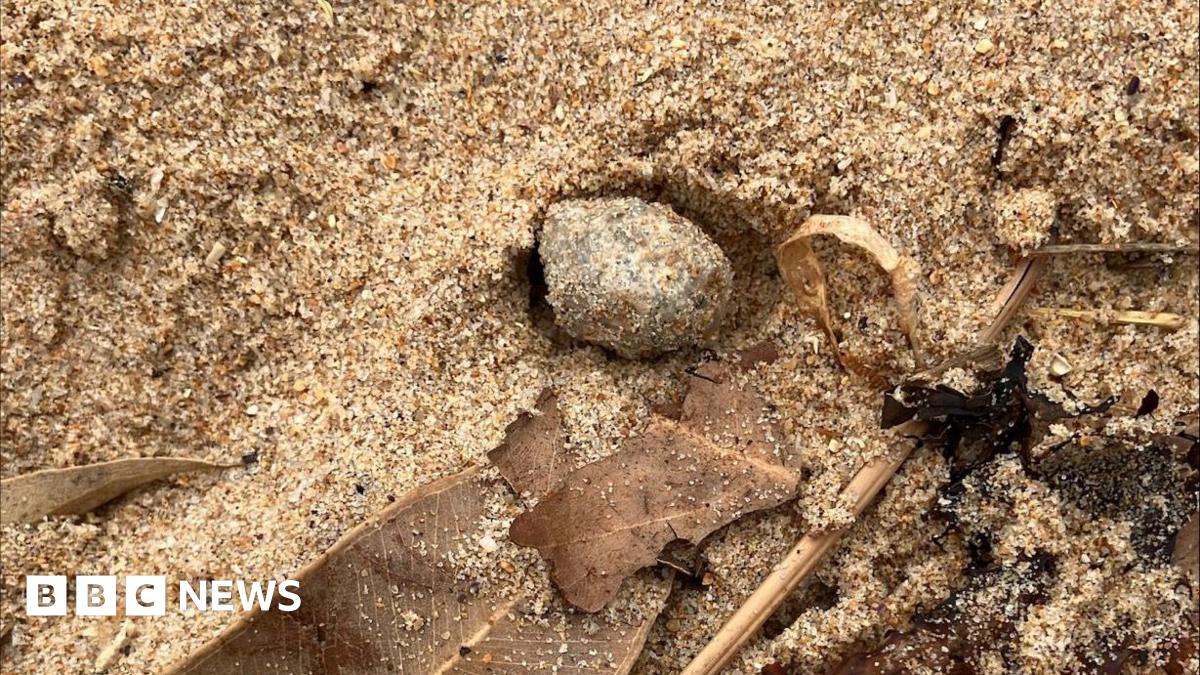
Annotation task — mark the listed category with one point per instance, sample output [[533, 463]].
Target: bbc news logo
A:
[[96, 595]]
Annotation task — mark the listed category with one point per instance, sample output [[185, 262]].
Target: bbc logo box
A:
[[95, 595], [146, 595]]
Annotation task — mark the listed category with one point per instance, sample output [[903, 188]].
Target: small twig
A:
[[1161, 319], [1013, 295], [983, 355], [1128, 247], [804, 557], [1010, 298]]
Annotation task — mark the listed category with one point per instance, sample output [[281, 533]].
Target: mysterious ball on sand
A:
[[632, 276]]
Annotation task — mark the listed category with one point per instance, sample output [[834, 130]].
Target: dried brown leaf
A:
[[804, 274], [678, 480], [1187, 547], [613, 517], [533, 457], [80, 489], [388, 598], [734, 419]]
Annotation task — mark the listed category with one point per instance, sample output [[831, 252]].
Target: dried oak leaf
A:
[[79, 489], [533, 458], [677, 480], [803, 272], [734, 419], [389, 598]]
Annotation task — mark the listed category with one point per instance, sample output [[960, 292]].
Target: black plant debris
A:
[[1150, 483], [1003, 416]]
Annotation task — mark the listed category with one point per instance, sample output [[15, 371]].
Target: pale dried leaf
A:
[[388, 598], [804, 274], [613, 517], [80, 489], [533, 457]]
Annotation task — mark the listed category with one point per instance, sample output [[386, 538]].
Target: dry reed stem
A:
[[1129, 247], [1161, 319], [800, 561]]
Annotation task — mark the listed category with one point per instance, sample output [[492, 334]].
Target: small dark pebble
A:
[[250, 458], [119, 183], [1003, 133], [464, 650], [1149, 404], [1134, 85], [358, 487]]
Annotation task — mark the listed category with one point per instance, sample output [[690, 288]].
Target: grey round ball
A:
[[633, 276]]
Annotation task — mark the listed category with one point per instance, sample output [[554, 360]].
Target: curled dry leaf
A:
[[389, 597], [80, 489], [804, 274], [678, 480]]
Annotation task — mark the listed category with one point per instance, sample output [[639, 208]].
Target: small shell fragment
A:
[[215, 254], [1059, 366], [156, 179]]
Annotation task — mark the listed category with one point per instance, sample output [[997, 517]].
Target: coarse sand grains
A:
[[293, 230]]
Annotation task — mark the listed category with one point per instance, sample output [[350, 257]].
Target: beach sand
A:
[[299, 230]]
